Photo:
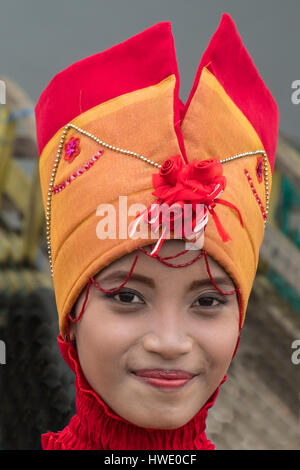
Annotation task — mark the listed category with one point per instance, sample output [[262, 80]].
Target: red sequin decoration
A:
[[79, 172], [72, 149], [259, 169], [255, 194]]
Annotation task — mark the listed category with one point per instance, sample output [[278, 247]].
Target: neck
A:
[[95, 426]]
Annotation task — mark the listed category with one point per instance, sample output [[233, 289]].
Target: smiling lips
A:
[[165, 378], [164, 374]]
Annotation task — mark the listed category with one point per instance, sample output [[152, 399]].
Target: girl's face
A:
[[163, 318]]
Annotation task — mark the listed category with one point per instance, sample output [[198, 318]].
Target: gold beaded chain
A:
[[134, 154]]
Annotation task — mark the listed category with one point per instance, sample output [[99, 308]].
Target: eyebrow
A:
[[121, 276]]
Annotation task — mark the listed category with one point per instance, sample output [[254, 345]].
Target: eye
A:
[[125, 297], [209, 301]]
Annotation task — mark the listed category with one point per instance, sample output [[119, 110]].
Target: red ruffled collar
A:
[[95, 426]]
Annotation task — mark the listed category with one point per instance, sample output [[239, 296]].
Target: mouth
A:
[[165, 380]]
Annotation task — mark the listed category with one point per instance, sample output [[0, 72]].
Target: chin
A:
[[161, 424]]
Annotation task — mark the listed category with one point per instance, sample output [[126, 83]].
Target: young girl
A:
[[150, 316]]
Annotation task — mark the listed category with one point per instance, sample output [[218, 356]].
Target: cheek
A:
[[217, 343], [218, 340], [224, 345], [102, 339]]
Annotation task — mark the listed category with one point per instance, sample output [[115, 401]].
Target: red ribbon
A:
[[184, 181], [224, 235]]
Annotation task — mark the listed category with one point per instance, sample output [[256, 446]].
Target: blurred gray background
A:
[[40, 38]]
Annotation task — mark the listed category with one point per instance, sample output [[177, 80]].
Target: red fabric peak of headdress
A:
[[229, 61], [143, 60], [146, 59]]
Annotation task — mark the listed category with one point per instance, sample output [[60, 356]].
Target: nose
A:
[[167, 335]]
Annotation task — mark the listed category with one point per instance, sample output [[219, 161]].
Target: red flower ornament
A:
[[72, 149], [182, 187]]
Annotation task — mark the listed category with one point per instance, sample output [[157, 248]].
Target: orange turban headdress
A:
[[113, 124]]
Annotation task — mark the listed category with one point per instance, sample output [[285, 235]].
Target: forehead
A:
[[157, 269]]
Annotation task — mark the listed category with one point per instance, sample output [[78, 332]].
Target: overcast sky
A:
[[39, 38]]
